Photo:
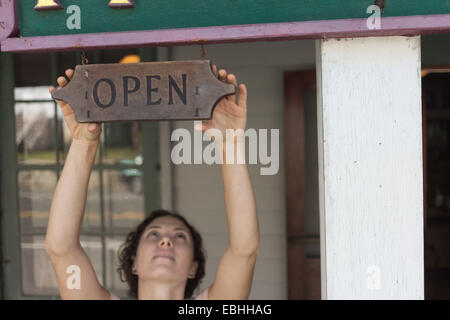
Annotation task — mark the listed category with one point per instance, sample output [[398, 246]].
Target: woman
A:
[[162, 258]]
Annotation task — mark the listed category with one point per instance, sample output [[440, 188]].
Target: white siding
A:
[[260, 66]]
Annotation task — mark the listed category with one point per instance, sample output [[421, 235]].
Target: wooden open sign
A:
[[177, 90]]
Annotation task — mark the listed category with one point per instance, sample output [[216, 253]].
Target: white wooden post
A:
[[370, 168]]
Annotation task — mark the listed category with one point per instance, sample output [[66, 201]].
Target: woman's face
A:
[[165, 252]]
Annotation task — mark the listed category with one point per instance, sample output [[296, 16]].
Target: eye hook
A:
[[202, 51], [84, 59]]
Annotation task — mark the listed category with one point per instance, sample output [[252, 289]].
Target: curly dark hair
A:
[[128, 250]]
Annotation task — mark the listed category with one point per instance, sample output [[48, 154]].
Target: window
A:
[[116, 200]]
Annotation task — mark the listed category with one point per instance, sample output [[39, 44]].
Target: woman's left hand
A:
[[231, 111]]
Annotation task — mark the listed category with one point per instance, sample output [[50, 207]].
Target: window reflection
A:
[[38, 276], [92, 245], [115, 190], [122, 142], [92, 213], [36, 189], [35, 133], [124, 199], [35, 125], [112, 261], [32, 93]]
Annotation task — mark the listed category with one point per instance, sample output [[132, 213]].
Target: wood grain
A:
[[179, 90], [296, 84], [370, 168]]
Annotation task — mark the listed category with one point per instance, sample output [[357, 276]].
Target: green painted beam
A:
[[96, 16]]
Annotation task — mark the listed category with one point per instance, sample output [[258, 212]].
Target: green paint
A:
[[96, 16]]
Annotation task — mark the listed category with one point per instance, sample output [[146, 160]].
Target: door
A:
[[436, 139], [302, 204]]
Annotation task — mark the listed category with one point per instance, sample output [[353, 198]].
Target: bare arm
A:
[[235, 272], [67, 210]]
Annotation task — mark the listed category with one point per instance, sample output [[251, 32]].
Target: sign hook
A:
[[202, 51], [84, 59]]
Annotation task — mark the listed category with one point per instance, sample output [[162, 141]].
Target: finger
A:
[[69, 73], [66, 109], [222, 75], [92, 130], [92, 127], [60, 102], [214, 69], [69, 115], [61, 81], [231, 79], [242, 100]]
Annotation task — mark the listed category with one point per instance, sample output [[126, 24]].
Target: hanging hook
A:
[[202, 51], [84, 59]]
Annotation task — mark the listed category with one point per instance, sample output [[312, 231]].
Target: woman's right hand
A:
[[87, 132]]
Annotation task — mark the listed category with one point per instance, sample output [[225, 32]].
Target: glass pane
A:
[[122, 143], [124, 199], [113, 282], [65, 138], [36, 189], [35, 132], [92, 217], [313, 250], [38, 277], [32, 93], [32, 69], [92, 245]]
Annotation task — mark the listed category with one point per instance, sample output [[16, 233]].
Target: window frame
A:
[[11, 234]]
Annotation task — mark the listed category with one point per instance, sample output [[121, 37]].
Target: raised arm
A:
[[235, 271], [67, 210]]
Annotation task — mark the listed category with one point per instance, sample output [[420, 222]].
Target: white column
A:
[[370, 168]]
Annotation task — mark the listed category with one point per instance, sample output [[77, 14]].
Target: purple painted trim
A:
[[8, 19], [345, 28], [130, 4]]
